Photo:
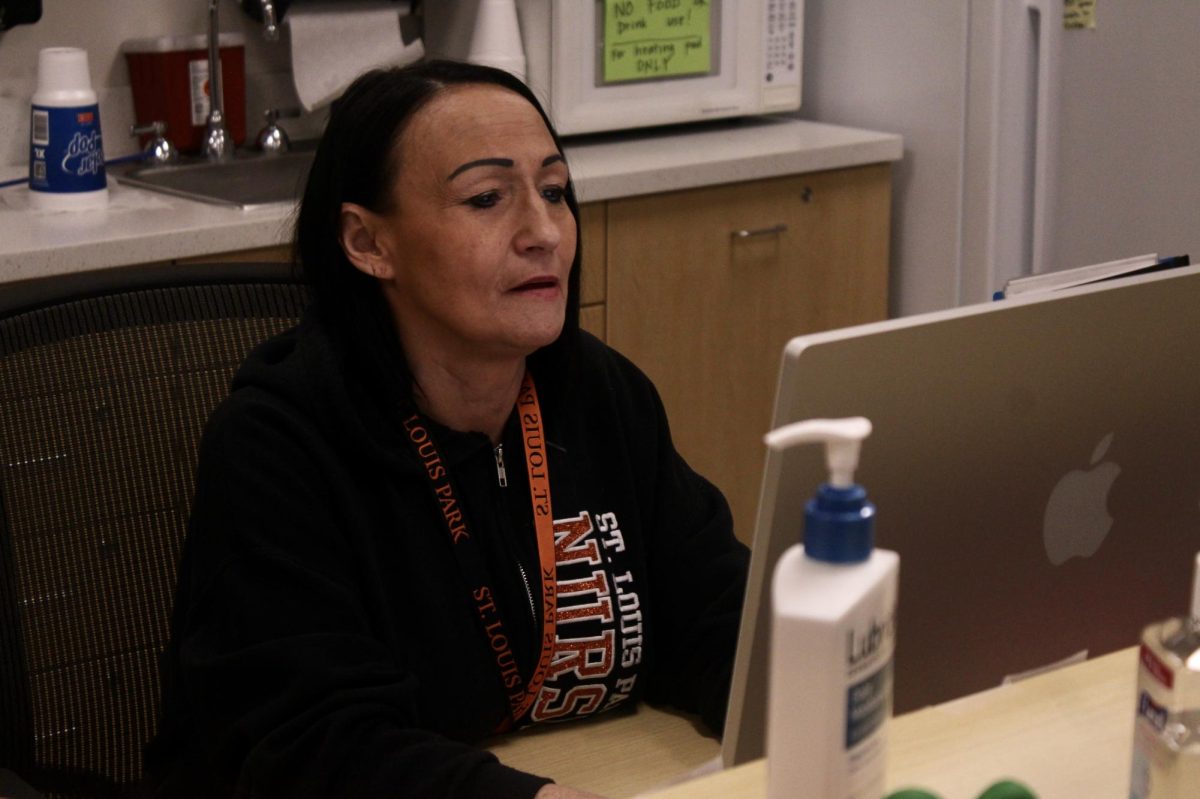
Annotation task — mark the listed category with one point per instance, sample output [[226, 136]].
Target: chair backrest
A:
[[102, 402]]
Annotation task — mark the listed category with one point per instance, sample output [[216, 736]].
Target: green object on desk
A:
[[1005, 789]]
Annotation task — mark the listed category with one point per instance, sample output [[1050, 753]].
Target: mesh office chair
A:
[[102, 402]]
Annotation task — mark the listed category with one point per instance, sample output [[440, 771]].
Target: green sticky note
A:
[[1079, 14], [654, 39]]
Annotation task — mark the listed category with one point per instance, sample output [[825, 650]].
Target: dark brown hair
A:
[[357, 162]]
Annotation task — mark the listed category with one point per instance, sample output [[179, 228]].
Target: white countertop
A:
[[625, 165], [146, 227]]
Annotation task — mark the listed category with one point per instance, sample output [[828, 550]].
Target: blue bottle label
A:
[[868, 705], [66, 154]]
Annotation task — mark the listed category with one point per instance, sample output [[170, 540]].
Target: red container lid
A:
[[175, 44]]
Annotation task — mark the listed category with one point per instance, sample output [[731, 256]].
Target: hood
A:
[[359, 408]]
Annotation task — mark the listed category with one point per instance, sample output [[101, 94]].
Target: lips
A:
[[540, 283]]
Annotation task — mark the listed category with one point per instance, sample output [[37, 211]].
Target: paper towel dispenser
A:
[[332, 42], [19, 12], [259, 9]]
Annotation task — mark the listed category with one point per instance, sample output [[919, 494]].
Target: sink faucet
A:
[[270, 25], [218, 145]]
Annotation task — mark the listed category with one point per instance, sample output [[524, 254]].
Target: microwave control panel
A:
[[782, 42]]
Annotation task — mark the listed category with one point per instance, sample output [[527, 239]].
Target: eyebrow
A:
[[505, 162]]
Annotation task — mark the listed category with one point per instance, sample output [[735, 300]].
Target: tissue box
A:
[[169, 78]]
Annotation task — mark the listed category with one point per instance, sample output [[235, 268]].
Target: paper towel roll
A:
[[335, 42]]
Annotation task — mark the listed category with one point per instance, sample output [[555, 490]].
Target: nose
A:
[[541, 224]]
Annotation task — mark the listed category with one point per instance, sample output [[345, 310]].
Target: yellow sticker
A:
[[1079, 14], [651, 39]]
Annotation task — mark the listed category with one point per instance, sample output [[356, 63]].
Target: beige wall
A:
[[99, 26]]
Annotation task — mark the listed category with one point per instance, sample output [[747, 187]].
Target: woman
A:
[[435, 510]]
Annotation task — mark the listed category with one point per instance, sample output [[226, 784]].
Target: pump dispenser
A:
[[833, 634]]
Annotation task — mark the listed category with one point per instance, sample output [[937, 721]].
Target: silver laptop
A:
[[1036, 463]]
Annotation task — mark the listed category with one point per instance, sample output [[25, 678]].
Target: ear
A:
[[358, 234]]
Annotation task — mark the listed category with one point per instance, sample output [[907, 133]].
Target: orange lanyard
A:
[[521, 695]]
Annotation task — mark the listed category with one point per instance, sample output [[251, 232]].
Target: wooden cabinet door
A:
[[593, 266], [705, 311]]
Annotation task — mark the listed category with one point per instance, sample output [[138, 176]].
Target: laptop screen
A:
[[1035, 462]]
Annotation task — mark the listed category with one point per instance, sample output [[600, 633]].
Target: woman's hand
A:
[[563, 792]]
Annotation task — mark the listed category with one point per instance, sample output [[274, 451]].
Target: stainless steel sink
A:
[[250, 179]]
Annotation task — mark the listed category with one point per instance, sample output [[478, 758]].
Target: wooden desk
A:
[[617, 754], [1067, 735]]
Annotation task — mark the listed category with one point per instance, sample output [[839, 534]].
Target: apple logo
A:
[[1077, 520]]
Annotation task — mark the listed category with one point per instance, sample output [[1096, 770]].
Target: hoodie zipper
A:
[[502, 480], [501, 474], [528, 595]]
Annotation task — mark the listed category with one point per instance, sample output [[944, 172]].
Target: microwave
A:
[[603, 65]]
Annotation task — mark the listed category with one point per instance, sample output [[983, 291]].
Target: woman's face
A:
[[480, 240]]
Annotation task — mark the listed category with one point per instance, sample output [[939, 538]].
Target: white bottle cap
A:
[[63, 69]]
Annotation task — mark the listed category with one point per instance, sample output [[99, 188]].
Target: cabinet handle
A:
[[762, 231]]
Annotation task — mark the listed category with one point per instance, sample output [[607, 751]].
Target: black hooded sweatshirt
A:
[[324, 640]]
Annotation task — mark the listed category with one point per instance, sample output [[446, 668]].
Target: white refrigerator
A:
[[1029, 146]]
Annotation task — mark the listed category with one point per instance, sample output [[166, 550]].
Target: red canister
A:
[[169, 78]]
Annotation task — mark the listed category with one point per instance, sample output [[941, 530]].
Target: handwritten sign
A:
[[650, 39]]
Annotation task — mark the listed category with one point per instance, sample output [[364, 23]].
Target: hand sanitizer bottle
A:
[[833, 633], [1166, 739]]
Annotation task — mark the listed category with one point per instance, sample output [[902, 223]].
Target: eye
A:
[[554, 194], [485, 200]]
